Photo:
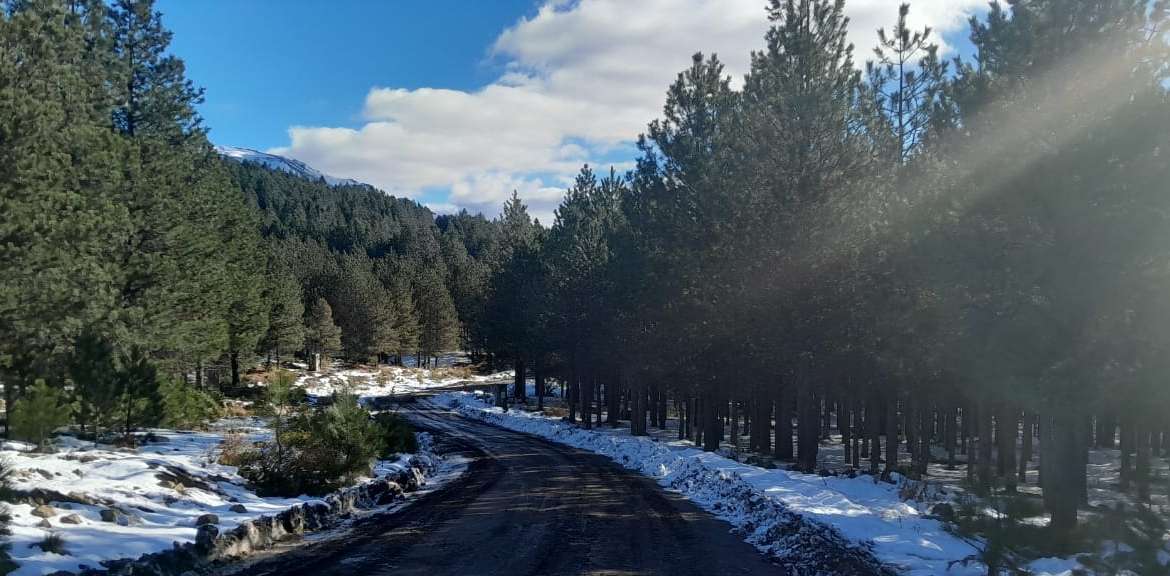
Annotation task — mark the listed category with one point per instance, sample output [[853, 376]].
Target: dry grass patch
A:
[[556, 411], [460, 372], [235, 450], [236, 409]]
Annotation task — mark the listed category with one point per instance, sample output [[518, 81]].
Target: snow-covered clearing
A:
[[387, 381], [151, 496], [865, 513]]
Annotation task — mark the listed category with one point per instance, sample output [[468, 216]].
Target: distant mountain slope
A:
[[274, 162]]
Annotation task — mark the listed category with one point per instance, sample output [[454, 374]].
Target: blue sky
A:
[[457, 103], [268, 65]]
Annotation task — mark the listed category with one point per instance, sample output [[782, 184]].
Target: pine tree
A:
[[509, 318], [95, 382], [38, 413], [286, 311], [406, 320], [138, 401], [59, 178], [437, 320], [365, 311], [804, 84], [247, 312], [322, 336]]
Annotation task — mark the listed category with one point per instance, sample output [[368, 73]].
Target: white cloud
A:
[[580, 78]]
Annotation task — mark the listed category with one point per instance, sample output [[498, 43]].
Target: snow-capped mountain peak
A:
[[274, 162]]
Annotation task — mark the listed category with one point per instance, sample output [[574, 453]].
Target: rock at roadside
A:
[[44, 511], [205, 538], [943, 511], [71, 519], [238, 509], [207, 519]]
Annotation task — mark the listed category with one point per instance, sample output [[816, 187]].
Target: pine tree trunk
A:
[[662, 416], [520, 385], [598, 404], [808, 413], [1026, 446], [1104, 430], [783, 449], [984, 476], [614, 390], [713, 425], [538, 375], [844, 423], [1060, 461], [950, 434], [1007, 430], [1126, 471], [875, 434], [1142, 461], [891, 437], [587, 383], [235, 361], [858, 433], [573, 392]]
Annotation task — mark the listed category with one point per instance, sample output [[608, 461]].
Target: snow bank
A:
[[796, 518], [150, 497]]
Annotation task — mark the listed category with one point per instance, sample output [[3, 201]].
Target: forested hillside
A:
[[379, 267], [138, 263]]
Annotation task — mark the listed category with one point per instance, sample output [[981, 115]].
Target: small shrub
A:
[[397, 434], [185, 407], [314, 452], [347, 427], [53, 543], [39, 412]]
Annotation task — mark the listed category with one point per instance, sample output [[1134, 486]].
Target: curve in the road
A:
[[528, 506]]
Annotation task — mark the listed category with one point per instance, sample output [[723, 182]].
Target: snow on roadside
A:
[[762, 503], [158, 491]]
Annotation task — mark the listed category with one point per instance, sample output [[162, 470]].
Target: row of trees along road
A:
[[971, 254]]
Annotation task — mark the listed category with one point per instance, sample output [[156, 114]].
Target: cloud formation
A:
[[580, 79]]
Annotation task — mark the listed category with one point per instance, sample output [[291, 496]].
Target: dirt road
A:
[[527, 506]]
